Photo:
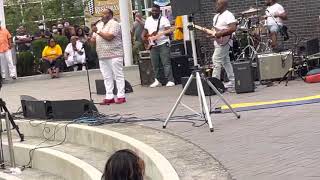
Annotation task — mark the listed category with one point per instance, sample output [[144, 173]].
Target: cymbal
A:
[[251, 10]]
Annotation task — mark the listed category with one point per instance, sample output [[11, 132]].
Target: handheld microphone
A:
[[95, 23]]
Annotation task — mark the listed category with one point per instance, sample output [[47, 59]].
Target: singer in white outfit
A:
[[108, 38], [74, 54]]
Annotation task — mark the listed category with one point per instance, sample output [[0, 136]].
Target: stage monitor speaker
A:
[[185, 7], [101, 90], [35, 109], [244, 81], [146, 69], [274, 65], [192, 90], [64, 110], [70, 109], [180, 68]]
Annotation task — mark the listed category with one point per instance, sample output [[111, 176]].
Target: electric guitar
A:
[[152, 38], [221, 41]]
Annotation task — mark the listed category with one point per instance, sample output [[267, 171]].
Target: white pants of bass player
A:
[[7, 61], [112, 70]]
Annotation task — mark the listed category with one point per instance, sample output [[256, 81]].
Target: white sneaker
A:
[[84, 68], [170, 84], [156, 83], [229, 84]]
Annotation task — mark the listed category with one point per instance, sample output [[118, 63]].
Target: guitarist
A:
[[225, 24], [160, 51]]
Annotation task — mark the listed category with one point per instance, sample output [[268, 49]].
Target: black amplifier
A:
[[244, 78]]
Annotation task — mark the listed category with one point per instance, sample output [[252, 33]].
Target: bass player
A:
[[160, 51], [226, 24]]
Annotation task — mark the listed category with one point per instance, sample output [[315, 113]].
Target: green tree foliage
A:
[[30, 12]]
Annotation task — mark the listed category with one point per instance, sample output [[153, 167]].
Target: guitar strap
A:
[[215, 23], [158, 27]]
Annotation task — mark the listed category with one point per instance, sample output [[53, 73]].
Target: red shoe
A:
[[107, 102], [121, 100]]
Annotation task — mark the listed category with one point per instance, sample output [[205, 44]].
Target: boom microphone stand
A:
[[197, 73]]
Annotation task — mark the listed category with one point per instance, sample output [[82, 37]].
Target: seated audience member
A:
[[74, 54], [51, 55], [124, 165], [81, 35]]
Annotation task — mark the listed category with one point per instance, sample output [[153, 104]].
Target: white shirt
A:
[[113, 48], [152, 24], [274, 10], [222, 21], [71, 52]]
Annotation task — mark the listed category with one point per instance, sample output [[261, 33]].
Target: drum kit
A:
[[252, 34]]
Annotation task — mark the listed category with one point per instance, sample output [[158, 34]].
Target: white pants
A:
[[112, 69], [7, 61], [221, 58], [77, 59]]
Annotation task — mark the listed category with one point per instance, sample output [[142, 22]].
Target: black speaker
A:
[[244, 78], [101, 89], [193, 91], [185, 7], [180, 68], [70, 109], [189, 48], [177, 48], [146, 71], [35, 109], [64, 110]]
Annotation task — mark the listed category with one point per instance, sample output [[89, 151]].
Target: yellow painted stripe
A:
[[240, 105]]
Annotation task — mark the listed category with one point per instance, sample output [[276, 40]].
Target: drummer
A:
[[275, 15]]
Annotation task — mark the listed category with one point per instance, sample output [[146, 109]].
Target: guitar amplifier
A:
[[145, 68], [177, 48], [274, 65], [180, 68], [244, 79]]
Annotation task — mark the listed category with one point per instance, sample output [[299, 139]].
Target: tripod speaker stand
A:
[[197, 73]]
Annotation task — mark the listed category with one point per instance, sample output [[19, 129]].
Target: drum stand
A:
[[249, 47], [199, 77]]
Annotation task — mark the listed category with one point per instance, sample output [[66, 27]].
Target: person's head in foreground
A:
[[124, 165]]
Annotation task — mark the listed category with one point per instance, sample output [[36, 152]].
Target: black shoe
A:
[[14, 78]]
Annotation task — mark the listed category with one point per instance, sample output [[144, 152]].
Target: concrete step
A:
[[32, 174], [47, 161], [189, 160], [95, 157], [157, 166]]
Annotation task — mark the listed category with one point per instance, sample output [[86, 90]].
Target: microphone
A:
[[95, 23]]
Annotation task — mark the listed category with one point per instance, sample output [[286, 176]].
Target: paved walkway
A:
[[280, 143]]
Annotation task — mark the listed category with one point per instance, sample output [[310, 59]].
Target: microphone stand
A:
[[88, 77]]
